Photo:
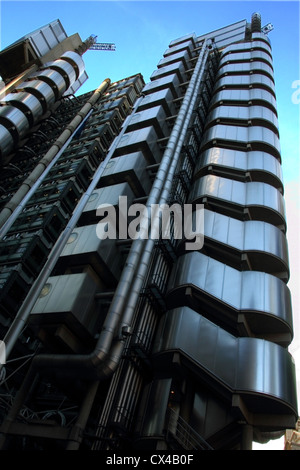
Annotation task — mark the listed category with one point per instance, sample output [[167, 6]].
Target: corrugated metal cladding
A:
[[45, 38], [142, 344]]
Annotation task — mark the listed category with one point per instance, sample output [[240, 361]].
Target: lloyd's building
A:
[[143, 344]]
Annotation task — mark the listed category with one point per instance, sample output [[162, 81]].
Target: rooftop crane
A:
[[91, 44]]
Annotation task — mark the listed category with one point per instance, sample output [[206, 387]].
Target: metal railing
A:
[[180, 431]]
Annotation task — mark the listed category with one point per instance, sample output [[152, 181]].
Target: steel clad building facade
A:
[[139, 343]]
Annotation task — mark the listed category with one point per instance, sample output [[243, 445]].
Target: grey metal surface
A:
[[130, 168], [65, 69], [76, 85], [251, 367], [258, 115], [181, 56], [76, 61], [28, 101], [259, 138], [224, 36], [246, 67], [84, 248], [6, 141], [108, 196], [16, 119], [70, 295], [261, 166], [259, 36], [40, 89], [241, 56], [247, 46], [263, 200], [255, 80], [187, 46], [174, 68], [265, 246], [144, 140], [255, 95], [154, 116], [263, 298], [47, 37], [170, 81], [163, 97], [54, 79], [183, 41]]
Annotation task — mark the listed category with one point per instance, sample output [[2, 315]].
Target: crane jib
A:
[[103, 47]]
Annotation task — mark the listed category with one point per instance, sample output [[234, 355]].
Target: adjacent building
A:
[[122, 342]]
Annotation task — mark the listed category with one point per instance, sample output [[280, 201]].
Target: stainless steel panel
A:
[[260, 37], [6, 141], [67, 298], [154, 116], [246, 113], [224, 36], [176, 68], [241, 138], [76, 61], [255, 95], [54, 79], [247, 46], [144, 140], [41, 90], [260, 165], [229, 39], [47, 37], [186, 39], [77, 84], [246, 56], [255, 80], [258, 135], [28, 102], [252, 367], [85, 248], [263, 200], [65, 69], [221, 293], [108, 196], [170, 81], [163, 98], [229, 239], [248, 67], [14, 118], [129, 168], [187, 46], [182, 56]]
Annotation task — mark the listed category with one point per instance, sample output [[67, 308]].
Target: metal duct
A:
[[22, 108]]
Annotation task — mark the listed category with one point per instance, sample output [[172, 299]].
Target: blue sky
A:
[[142, 31]]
